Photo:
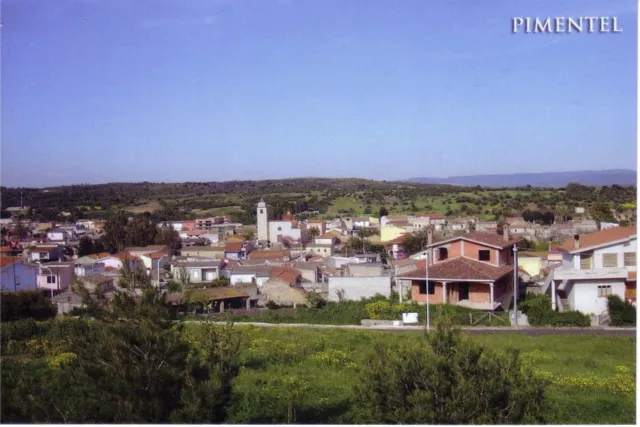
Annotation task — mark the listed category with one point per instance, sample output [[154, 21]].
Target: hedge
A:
[[622, 313], [539, 313]]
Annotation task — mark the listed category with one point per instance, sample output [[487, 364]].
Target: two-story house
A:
[[474, 270], [594, 266], [55, 277]]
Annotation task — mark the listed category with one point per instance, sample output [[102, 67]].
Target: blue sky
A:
[[102, 91]]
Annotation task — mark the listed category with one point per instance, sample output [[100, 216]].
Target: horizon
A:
[[98, 92], [405, 181]]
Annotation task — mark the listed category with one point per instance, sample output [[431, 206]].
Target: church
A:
[[275, 231]]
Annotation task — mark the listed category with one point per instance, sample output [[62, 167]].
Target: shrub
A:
[[448, 380], [622, 313], [21, 305], [539, 313], [271, 305]]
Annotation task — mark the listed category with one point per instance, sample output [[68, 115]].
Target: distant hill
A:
[[549, 179]]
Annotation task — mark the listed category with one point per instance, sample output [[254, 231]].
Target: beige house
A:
[[211, 252], [320, 249]]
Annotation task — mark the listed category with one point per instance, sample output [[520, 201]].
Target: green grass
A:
[[326, 363]]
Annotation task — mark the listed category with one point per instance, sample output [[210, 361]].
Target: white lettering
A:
[[559, 28], [590, 19], [615, 25], [516, 22], [539, 27], [604, 24], [528, 29], [576, 25]]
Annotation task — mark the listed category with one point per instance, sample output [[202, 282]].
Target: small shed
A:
[[67, 301]]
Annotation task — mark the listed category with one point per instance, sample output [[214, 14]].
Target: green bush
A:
[[27, 304], [539, 313], [622, 313], [447, 380]]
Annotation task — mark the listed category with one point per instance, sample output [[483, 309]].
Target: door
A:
[[463, 291]]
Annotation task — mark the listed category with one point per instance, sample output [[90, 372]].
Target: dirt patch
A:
[[150, 207]]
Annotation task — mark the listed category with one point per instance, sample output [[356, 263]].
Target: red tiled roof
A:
[[8, 260], [156, 255], [126, 256], [288, 217], [285, 274], [98, 256], [461, 269], [5, 249], [511, 220], [233, 246], [598, 238], [407, 261]]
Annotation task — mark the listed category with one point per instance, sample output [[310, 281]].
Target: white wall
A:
[[262, 226], [286, 230], [584, 295], [618, 249], [356, 288], [241, 278]]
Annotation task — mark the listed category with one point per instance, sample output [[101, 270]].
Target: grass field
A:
[[320, 367]]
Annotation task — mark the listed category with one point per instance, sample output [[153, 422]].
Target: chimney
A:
[[576, 241], [429, 236], [505, 232]]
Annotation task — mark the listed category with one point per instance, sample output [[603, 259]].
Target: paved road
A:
[[474, 330]]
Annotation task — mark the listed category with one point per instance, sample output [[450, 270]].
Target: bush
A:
[[622, 313], [27, 304], [448, 380], [539, 313], [271, 305]]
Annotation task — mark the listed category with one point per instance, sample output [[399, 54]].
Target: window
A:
[[443, 253], [51, 279], [604, 290], [484, 255], [423, 288], [196, 274], [629, 259], [609, 260], [586, 261], [261, 211]]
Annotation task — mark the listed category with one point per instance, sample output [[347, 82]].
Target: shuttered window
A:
[[604, 291], [609, 260], [629, 259], [586, 261]]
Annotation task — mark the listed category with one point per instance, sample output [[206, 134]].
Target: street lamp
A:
[[51, 273], [515, 284], [426, 269]]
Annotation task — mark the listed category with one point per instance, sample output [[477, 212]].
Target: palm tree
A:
[[313, 232]]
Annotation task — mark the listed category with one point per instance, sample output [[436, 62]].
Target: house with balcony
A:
[[44, 253], [474, 270], [594, 266]]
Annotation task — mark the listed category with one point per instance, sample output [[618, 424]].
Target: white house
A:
[[196, 271], [58, 235], [84, 270], [16, 275], [44, 253], [257, 274], [594, 266]]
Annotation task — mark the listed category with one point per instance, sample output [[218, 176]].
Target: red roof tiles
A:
[[461, 269], [598, 238]]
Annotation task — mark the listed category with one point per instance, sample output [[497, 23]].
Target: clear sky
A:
[[208, 90]]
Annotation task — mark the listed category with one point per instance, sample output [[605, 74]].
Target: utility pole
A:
[[515, 284], [426, 269]]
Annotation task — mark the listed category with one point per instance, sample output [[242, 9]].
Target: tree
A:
[[115, 231], [601, 211], [166, 235], [415, 242], [140, 232], [449, 379], [85, 247], [313, 232], [383, 212]]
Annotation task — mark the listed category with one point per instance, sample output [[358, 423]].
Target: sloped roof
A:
[[598, 238], [233, 246], [8, 260], [285, 274], [460, 269]]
